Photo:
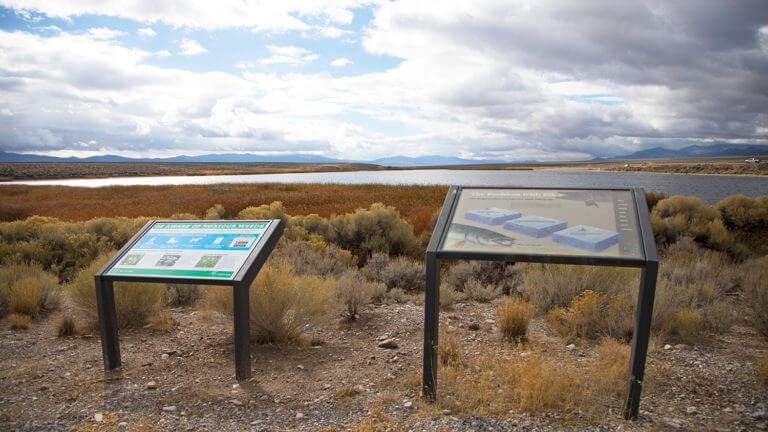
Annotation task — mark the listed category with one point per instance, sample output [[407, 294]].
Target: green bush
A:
[[501, 274], [136, 304], [181, 294], [404, 273], [274, 210], [379, 229], [315, 258], [480, 291]]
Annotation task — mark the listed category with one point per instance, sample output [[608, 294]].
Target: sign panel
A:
[[566, 222], [192, 249]]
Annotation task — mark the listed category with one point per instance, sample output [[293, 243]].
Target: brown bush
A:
[[27, 289], [449, 349], [743, 213], [18, 321], [353, 291], [66, 326], [755, 295]]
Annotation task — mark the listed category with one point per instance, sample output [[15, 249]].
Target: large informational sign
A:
[[224, 253], [599, 223], [198, 250], [605, 227]]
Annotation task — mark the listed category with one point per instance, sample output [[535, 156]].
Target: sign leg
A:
[[105, 303], [242, 332], [431, 325], [640, 340]]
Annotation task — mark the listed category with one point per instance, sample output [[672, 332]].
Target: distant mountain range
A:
[[695, 151], [397, 161]]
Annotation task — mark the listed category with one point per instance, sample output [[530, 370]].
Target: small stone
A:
[[236, 402], [299, 416], [169, 408], [447, 412], [667, 347], [235, 386], [164, 356], [151, 385], [728, 409], [674, 423], [571, 347], [122, 424], [691, 410], [359, 389], [489, 321], [264, 398], [408, 404], [98, 417], [326, 386], [388, 344], [760, 415], [473, 326], [300, 367]]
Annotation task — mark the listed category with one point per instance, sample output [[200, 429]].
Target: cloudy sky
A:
[[356, 79]]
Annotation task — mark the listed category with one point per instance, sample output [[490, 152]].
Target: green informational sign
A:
[[565, 222], [193, 250]]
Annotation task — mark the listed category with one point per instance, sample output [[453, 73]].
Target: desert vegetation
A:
[[333, 266]]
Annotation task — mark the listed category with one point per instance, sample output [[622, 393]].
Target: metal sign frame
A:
[[648, 264], [244, 276]]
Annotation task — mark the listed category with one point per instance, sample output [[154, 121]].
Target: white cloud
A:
[[261, 16], [288, 54], [341, 62], [333, 32], [191, 47], [146, 32], [104, 33]]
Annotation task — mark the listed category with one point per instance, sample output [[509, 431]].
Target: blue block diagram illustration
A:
[[535, 226], [491, 215], [587, 238]]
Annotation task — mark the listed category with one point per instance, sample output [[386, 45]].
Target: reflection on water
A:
[[709, 188]]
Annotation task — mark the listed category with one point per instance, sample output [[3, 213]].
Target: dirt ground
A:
[[183, 379]]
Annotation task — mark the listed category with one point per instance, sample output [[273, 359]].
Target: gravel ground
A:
[[184, 379]]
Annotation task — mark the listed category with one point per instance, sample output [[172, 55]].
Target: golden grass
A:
[[27, 289], [416, 203], [66, 326], [761, 370], [449, 349], [514, 315]]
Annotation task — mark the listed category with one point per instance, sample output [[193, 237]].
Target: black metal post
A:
[[242, 331], [640, 340], [431, 326], [105, 303]]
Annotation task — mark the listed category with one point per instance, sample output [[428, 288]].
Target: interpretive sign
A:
[[192, 250], [189, 252], [545, 222], [568, 226]]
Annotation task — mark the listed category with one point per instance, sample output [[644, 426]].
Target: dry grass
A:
[[756, 295], [80, 204], [449, 349], [353, 291], [282, 304], [514, 315], [66, 326], [761, 370], [136, 303], [18, 321]]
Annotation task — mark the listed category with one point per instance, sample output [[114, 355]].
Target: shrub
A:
[[184, 216], [514, 315], [378, 292], [27, 289], [504, 275], [755, 294], [718, 317], [404, 273], [742, 213], [66, 326], [282, 303], [274, 210], [550, 286], [312, 224], [653, 198], [353, 291], [396, 295], [481, 292], [379, 229], [543, 384], [449, 349], [449, 296], [18, 321], [135, 303], [181, 294], [315, 259], [215, 212]]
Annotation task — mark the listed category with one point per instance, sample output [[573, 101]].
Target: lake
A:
[[710, 188]]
